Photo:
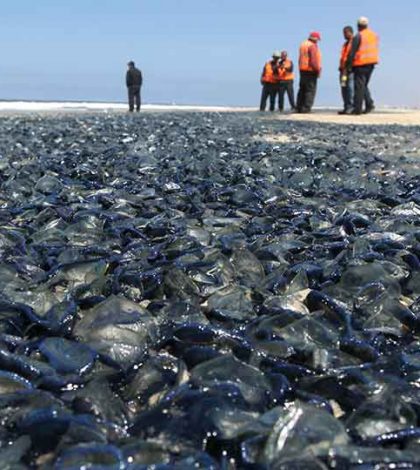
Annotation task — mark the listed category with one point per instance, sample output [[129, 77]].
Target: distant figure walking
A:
[[363, 57], [310, 65], [134, 81], [269, 81], [286, 77]]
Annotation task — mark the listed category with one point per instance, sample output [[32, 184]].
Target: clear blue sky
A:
[[192, 51]]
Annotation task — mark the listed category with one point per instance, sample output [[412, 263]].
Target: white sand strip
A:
[[35, 106]]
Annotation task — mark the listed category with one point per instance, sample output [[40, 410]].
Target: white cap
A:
[[276, 54], [363, 21]]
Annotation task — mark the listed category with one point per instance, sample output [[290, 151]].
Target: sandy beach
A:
[[382, 116], [406, 117]]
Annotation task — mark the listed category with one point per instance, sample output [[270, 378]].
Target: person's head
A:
[[315, 36], [362, 23], [348, 32], [276, 55], [283, 55], [131, 64]]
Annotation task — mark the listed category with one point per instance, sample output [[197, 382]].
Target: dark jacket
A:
[[134, 78]]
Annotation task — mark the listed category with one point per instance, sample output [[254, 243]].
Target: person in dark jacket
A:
[[134, 81]]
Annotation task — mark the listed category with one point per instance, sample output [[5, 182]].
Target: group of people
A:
[[359, 55], [277, 79]]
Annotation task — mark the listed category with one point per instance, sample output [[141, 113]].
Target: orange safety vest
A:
[[268, 75], [368, 52], [285, 75], [304, 62], [345, 51]]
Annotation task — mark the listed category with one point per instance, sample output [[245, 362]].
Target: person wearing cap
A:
[[310, 65], [363, 57], [346, 76], [269, 82], [134, 81], [286, 78]]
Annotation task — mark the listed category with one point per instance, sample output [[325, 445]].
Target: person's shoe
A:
[[281, 110], [346, 111], [369, 110], [356, 113]]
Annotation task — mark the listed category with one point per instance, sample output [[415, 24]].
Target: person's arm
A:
[[290, 69], [128, 78], [262, 76], [341, 66], [354, 48], [314, 59], [141, 78]]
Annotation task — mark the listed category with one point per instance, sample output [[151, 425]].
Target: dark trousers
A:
[[347, 92], [362, 76], [268, 90], [307, 91], [134, 97], [286, 87]]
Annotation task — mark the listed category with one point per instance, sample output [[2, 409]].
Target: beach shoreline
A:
[[382, 116]]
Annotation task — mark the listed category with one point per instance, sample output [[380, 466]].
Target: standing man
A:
[[286, 81], [310, 65], [269, 82], [346, 75], [134, 81], [363, 57]]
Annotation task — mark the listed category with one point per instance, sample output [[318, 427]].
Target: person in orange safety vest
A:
[[269, 82], [310, 66], [362, 59], [286, 81], [346, 76]]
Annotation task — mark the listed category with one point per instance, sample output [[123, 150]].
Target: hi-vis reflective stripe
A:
[[368, 52], [345, 51], [304, 56], [268, 76], [284, 74], [304, 62]]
